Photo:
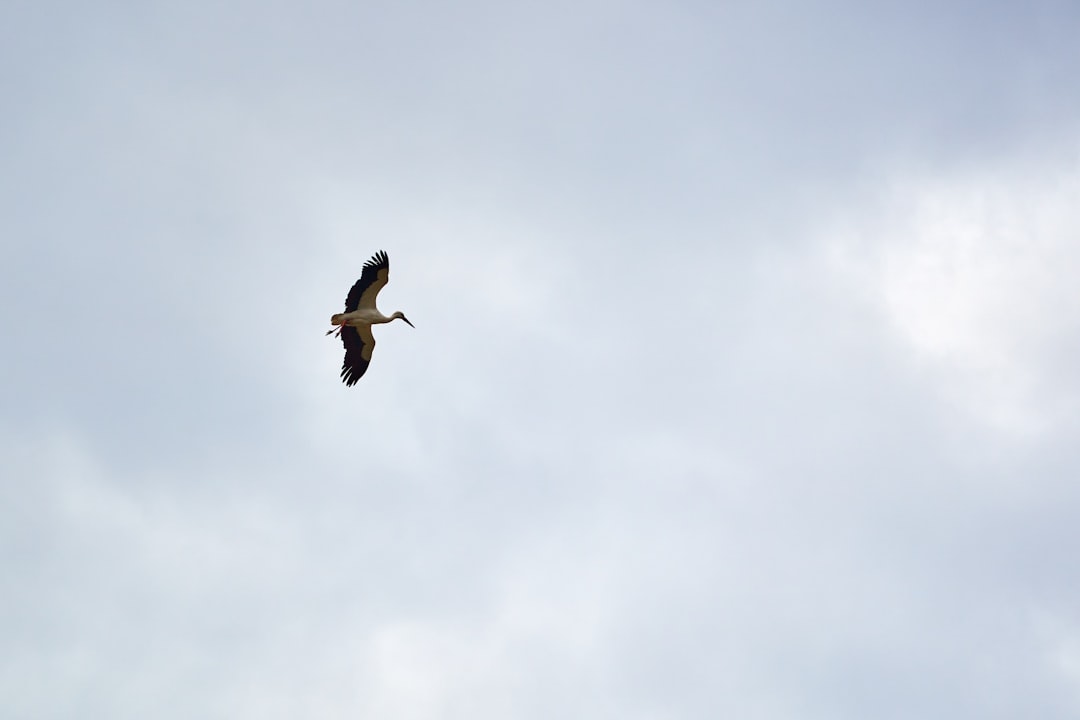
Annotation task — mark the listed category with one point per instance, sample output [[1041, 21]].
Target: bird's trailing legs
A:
[[336, 331]]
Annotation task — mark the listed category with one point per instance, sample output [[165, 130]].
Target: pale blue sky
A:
[[742, 385]]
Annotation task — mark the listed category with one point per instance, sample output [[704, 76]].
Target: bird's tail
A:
[[337, 319]]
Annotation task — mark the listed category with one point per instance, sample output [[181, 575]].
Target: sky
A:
[[743, 382]]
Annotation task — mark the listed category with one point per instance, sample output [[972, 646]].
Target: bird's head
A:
[[401, 315]]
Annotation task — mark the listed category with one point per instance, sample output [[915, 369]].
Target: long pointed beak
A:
[[410, 324]]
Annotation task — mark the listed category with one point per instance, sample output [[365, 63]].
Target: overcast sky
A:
[[743, 385]]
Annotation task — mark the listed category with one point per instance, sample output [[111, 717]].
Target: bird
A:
[[354, 325]]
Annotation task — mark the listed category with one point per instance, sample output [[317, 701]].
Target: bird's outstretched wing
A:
[[359, 342], [372, 280]]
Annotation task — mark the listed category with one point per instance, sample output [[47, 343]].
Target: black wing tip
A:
[[351, 373], [379, 259]]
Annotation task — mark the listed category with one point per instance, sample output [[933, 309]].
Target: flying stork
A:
[[354, 325]]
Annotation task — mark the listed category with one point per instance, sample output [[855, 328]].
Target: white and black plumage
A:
[[354, 325]]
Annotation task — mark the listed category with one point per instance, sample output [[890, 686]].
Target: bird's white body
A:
[[362, 316]]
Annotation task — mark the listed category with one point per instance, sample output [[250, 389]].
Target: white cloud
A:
[[976, 271]]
